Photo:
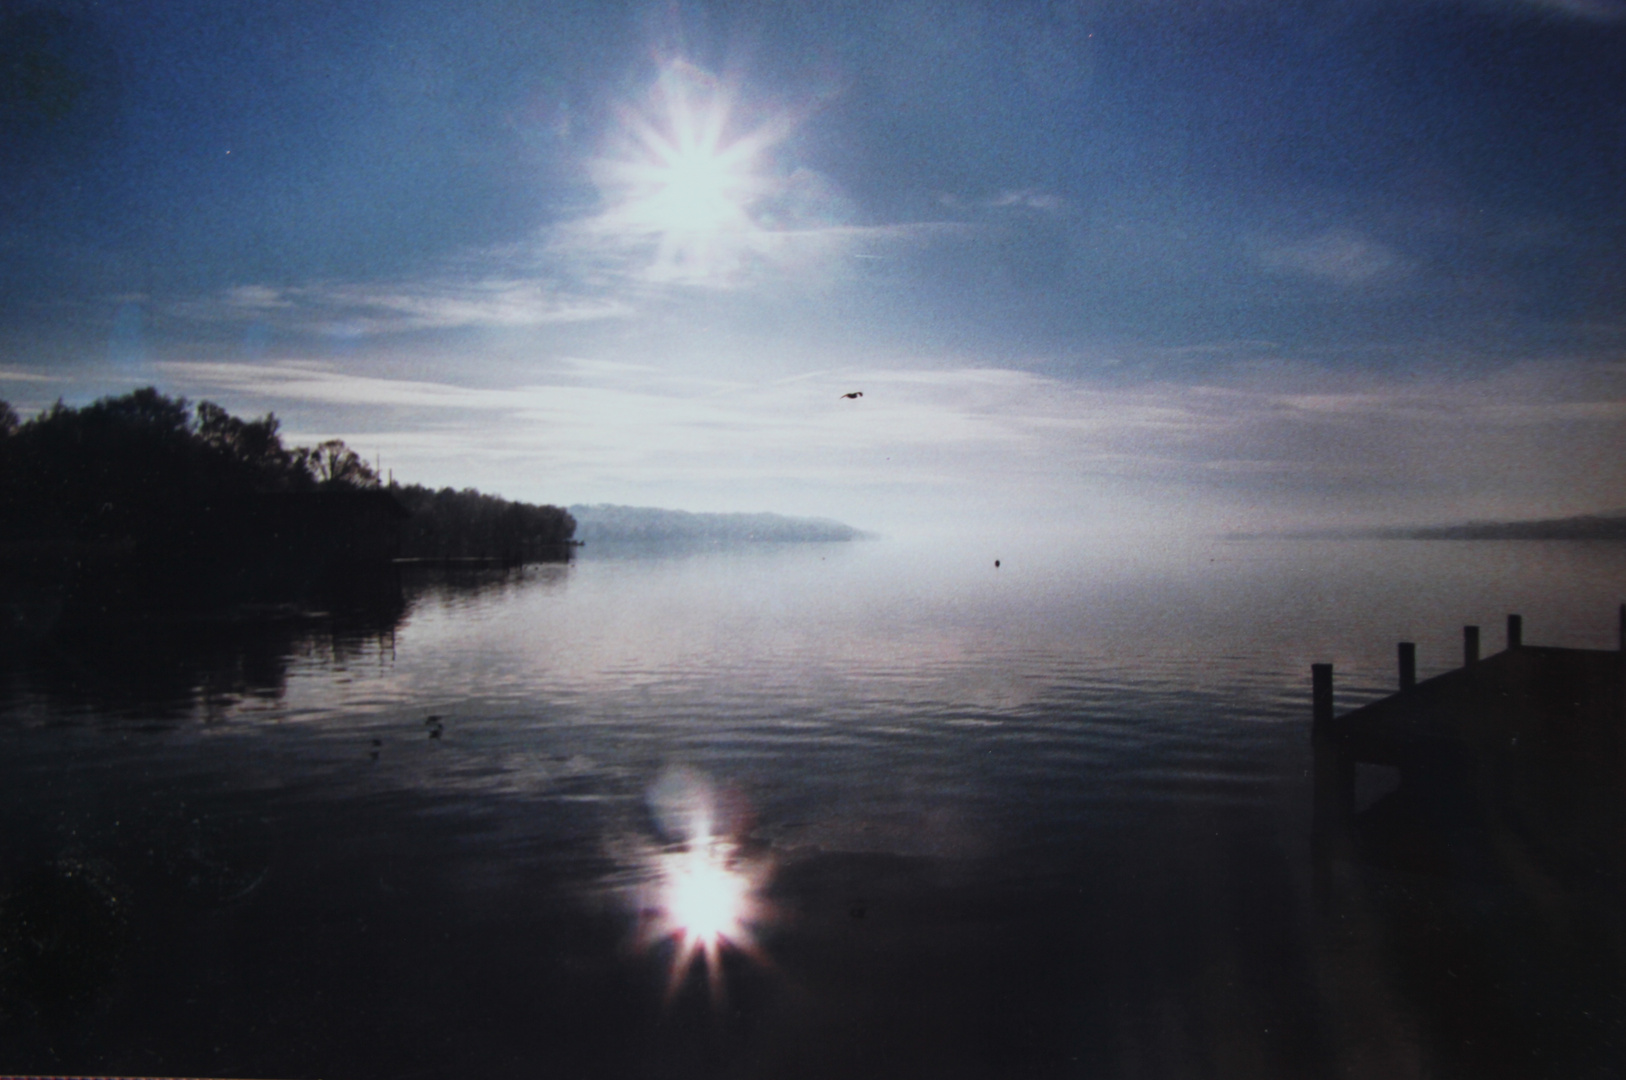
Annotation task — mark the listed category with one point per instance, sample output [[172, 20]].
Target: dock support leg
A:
[[1321, 695], [1515, 631], [1334, 772], [1470, 646], [1408, 665]]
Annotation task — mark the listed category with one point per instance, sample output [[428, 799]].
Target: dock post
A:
[[1408, 665], [1333, 770], [1470, 646], [1623, 628], [1515, 631], [1320, 697]]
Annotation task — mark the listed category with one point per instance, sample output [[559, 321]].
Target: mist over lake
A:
[[1050, 819]]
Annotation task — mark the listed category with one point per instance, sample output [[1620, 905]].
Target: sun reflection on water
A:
[[706, 900], [707, 893]]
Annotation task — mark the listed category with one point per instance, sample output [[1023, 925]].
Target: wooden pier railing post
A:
[[1515, 631], [1408, 665], [1320, 697], [1334, 772], [1470, 646]]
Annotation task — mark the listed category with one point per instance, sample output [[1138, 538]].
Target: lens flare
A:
[[693, 186], [684, 177], [706, 900], [707, 895], [708, 906]]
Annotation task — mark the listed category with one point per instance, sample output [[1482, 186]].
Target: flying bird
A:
[[854, 394]]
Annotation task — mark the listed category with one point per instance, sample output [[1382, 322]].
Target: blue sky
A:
[[1216, 262]]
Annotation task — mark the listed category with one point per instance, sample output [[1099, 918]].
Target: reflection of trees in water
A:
[[171, 670], [455, 588], [165, 672]]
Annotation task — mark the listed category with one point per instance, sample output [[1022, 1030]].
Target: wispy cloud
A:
[[11, 374], [434, 303], [316, 384], [1015, 198], [631, 263], [1338, 256], [584, 271]]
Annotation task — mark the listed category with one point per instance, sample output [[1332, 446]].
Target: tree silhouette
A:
[[333, 464], [145, 409], [154, 445], [254, 443], [460, 524], [141, 501]]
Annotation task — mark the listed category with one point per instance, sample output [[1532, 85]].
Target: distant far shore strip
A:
[[55, 1076]]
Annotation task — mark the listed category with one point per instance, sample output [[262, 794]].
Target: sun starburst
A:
[[705, 896], [684, 177], [710, 905]]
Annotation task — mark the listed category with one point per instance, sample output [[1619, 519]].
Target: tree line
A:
[[144, 462], [449, 524]]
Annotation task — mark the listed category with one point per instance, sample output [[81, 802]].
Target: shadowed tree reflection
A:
[[122, 670]]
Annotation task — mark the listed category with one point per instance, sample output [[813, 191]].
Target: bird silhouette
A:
[[854, 394]]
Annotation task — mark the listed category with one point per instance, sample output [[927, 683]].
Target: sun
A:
[[683, 177], [691, 184]]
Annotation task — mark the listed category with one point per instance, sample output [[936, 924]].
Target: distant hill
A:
[[1609, 525], [1606, 526], [606, 523]]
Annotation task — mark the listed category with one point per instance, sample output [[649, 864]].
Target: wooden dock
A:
[[1530, 740]]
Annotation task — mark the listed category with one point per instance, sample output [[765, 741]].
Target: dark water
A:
[[1045, 820]]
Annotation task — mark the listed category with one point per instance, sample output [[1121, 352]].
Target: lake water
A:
[[1045, 819]]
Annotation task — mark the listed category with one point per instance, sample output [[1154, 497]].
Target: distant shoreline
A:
[[1609, 527], [606, 523]]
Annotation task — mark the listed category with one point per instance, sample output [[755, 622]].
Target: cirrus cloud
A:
[[1337, 256]]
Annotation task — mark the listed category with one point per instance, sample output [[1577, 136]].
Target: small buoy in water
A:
[[996, 564]]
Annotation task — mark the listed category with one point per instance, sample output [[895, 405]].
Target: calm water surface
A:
[[1046, 819]]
